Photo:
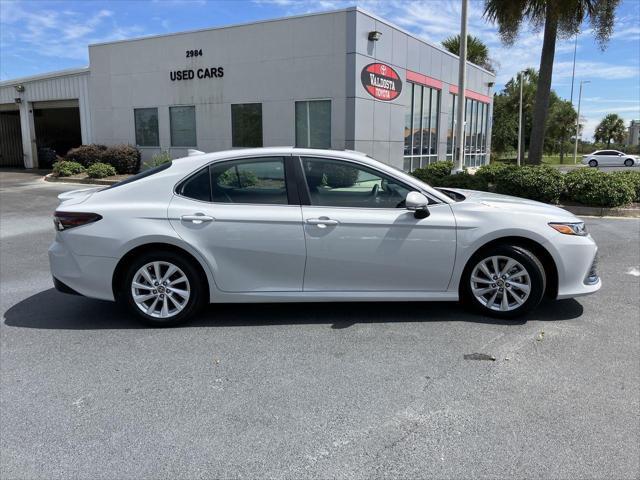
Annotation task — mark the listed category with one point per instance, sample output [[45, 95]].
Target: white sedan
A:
[[302, 225], [610, 158]]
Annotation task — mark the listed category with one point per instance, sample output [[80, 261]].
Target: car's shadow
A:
[[53, 310]]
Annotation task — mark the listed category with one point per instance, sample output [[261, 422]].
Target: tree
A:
[[560, 126], [477, 51], [611, 128], [559, 18]]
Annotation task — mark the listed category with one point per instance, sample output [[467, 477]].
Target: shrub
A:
[[599, 189], [633, 179], [124, 158], [86, 155], [101, 170], [433, 172], [339, 176], [490, 173], [463, 180], [65, 168], [541, 182], [157, 160]]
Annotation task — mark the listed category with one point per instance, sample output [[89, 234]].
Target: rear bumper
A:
[[81, 274]]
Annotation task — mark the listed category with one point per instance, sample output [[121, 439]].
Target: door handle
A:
[[322, 222], [197, 218]]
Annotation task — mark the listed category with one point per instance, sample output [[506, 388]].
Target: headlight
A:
[[575, 228]]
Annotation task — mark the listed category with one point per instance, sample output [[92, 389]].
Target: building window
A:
[[475, 132], [313, 124], [246, 125], [421, 127], [146, 124], [182, 121]]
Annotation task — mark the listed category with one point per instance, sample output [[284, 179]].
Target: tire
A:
[[180, 307], [628, 162], [593, 163], [486, 295]]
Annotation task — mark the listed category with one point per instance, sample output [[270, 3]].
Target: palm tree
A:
[[559, 18], [477, 51], [610, 128]]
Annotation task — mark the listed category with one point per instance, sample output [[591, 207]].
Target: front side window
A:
[[146, 125], [313, 124], [335, 183], [246, 125], [255, 180], [183, 126]]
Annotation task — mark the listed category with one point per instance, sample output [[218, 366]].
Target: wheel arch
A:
[[126, 259], [545, 257]]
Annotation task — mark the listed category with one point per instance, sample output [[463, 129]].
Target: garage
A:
[[11, 154], [57, 129]]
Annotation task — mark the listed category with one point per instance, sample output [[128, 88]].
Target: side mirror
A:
[[417, 203], [619, 154]]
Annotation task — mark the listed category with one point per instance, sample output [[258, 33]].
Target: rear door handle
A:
[[322, 222], [197, 218]]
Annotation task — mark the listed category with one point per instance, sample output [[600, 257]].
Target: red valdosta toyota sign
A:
[[381, 81]]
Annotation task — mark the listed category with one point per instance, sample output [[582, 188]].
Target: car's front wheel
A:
[[628, 162], [504, 281], [593, 163], [162, 288]]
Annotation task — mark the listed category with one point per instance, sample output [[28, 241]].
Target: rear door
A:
[[243, 215], [361, 238]]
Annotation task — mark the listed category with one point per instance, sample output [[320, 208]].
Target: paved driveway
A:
[[317, 390]]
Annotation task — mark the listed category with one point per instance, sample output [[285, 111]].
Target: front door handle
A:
[[197, 218], [322, 222]]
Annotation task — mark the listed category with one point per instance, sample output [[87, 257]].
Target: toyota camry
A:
[[303, 225]]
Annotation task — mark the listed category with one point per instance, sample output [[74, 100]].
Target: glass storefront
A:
[[475, 132], [421, 127]]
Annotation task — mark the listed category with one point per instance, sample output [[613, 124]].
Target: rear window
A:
[[141, 175]]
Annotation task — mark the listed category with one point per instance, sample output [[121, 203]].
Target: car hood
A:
[[514, 205]]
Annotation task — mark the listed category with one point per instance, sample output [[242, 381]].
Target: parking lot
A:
[[315, 390]]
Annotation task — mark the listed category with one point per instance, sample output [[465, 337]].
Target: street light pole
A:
[[575, 148], [520, 122], [462, 74]]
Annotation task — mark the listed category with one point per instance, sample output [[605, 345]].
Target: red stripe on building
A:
[[423, 80], [470, 94]]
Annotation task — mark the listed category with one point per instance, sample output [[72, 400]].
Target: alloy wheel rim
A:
[[160, 289], [500, 283]]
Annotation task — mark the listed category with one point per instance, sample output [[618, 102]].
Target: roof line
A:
[[42, 76]]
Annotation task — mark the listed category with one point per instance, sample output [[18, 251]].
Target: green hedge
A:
[[65, 168], [543, 183], [101, 170], [124, 158]]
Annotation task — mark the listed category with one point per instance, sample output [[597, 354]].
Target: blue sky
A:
[[40, 36]]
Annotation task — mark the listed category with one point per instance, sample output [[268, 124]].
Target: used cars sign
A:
[[381, 81]]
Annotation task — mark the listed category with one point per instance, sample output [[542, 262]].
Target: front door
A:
[[241, 216], [360, 237]]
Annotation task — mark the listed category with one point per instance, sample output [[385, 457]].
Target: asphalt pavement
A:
[[314, 390]]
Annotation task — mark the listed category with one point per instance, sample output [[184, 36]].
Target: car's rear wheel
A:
[[593, 163], [505, 281], [628, 162], [162, 288]]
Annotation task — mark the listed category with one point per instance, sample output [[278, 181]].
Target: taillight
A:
[[67, 220]]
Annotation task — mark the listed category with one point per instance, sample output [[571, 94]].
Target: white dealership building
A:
[[343, 80]]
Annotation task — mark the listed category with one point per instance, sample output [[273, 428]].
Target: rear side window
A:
[[197, 186], [250, 180]]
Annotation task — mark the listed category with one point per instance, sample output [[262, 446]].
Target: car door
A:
[[359, 236], [610, 157], [243, 216]]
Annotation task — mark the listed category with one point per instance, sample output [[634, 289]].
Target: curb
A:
[[581, 210], [83, 181]]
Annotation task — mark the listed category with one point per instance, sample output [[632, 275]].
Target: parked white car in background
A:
[[302, 225], [610, 158]]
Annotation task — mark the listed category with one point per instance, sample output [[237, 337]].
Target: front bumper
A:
[[576, 261], [82, 274]]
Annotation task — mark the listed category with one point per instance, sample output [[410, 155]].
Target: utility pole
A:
[[520, 122], [462, 74], [573, 73], [575, 148]]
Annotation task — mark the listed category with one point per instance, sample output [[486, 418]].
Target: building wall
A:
[[71, 85], [634, 133], [383, 137], [274, 63]]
